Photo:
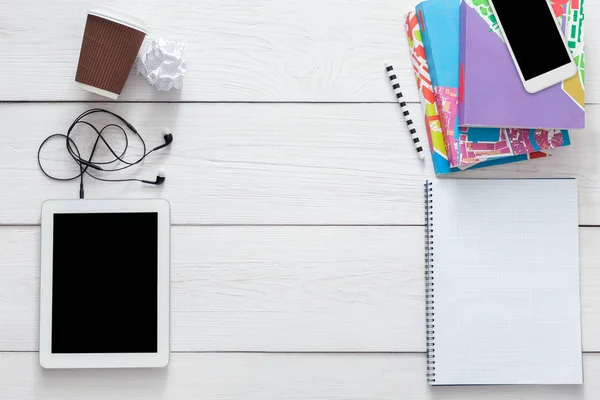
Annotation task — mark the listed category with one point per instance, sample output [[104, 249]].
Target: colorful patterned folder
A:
[[467, 147], [491, 91]]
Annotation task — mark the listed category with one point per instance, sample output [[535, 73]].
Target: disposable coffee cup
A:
[[111, 42]]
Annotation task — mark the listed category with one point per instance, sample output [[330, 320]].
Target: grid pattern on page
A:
[[507, 286]]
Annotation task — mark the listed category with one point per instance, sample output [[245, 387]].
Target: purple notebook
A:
[[491, 92]]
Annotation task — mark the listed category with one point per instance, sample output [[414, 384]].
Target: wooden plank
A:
[[341, 289], [268, 376], [263, 164], [260, 288], [317, 50]]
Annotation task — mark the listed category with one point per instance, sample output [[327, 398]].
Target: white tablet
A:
[[104, 287]]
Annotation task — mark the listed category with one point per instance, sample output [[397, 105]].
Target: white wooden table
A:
[[297, 208]]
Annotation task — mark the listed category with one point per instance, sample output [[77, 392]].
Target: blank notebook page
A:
[[506, 282]]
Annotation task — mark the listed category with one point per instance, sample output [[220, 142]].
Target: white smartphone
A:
[[536, 44]]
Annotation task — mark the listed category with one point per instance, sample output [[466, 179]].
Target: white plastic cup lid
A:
[[120, 18]]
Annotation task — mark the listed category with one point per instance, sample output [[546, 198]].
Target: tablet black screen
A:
[[105, 283]]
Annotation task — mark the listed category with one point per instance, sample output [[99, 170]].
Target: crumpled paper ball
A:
[[163, 63]]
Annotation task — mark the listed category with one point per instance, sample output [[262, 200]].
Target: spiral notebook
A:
[[503, 289]]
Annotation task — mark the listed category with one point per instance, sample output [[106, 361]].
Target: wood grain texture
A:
[[298, 289], [263, 50], [268, 377], [263, 163], [261, 288]]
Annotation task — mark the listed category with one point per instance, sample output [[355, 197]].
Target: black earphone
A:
[[85, 165]]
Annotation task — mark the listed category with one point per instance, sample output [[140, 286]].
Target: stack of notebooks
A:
[[477, 111]]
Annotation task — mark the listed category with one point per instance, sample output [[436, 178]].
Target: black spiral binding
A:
[[429, 285]]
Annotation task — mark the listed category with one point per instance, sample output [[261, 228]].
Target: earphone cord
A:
[[85, 165]]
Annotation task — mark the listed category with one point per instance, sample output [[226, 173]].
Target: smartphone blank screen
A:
[[531, 31]]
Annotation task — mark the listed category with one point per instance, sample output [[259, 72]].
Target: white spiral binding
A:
[[429, 283]]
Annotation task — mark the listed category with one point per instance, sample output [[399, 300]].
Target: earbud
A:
[[160, 179], [168, 139]]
